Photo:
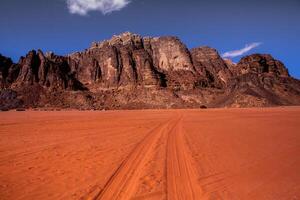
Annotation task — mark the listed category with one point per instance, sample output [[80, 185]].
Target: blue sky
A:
[[227, 25]]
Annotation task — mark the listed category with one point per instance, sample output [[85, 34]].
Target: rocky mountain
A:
[[133, 72]]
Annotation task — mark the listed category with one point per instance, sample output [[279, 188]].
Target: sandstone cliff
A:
[[130, 71]]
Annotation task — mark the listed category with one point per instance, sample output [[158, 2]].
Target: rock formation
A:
[[209, 64], [267, 78], [5, 65], [130, 71], [48, 70]]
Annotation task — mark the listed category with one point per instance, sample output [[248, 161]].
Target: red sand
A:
[[164, 154]]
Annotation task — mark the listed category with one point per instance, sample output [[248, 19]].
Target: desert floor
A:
[[152, 154]]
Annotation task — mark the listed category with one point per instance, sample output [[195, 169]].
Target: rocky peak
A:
[[206, 52], [262, 64], [5, 61], [48, 70], [5, 64], [124, 39], [121, 60], [29, 68]]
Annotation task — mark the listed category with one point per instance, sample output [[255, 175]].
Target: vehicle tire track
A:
[[152, 182], [124, 181], [181, 175]]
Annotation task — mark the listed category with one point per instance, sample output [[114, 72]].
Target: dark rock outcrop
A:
[[50, 71], [130, 71], [5, 64]]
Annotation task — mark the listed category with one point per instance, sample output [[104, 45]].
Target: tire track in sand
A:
[[181, 175], [124, 181]]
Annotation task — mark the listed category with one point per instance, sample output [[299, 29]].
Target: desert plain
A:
[[212, 154]]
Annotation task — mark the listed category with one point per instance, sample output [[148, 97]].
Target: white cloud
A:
[[235, 53], [82, 7]]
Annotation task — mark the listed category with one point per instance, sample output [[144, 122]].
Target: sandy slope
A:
[[175, 154]]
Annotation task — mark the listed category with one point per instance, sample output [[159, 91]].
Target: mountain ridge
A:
[[133, 72]]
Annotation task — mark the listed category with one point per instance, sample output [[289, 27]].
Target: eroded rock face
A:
[[29, 68], [96, 66], [230, 65], [170, 54], [130, 60], [172, 58], [262, 78], [5, 64], [262, 64], [48, 70], [210, 65], [13, 73], [130, 71], [147, 74]]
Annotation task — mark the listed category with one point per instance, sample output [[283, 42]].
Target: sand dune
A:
[[153, 154]]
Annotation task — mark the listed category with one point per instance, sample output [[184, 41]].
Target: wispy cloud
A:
[[82, 7], [239, 52]]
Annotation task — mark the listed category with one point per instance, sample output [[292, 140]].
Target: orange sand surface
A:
[[152, 154]]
